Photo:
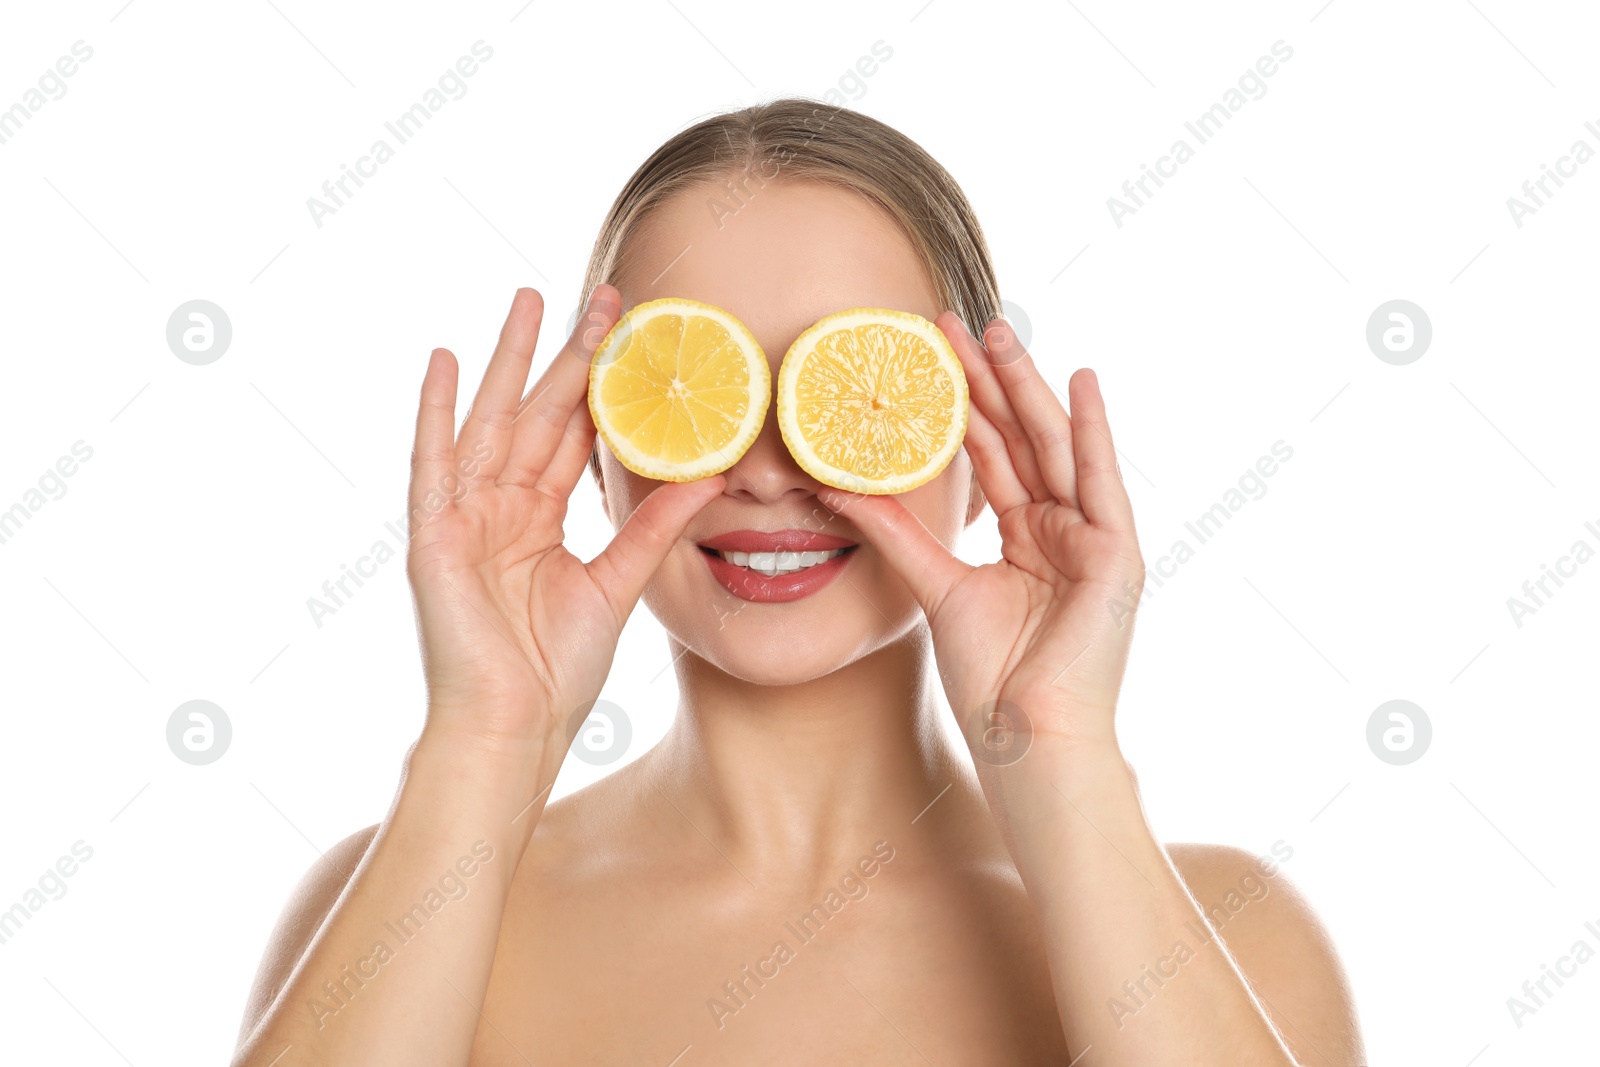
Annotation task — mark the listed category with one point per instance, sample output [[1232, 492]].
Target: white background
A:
[[1227, 314]]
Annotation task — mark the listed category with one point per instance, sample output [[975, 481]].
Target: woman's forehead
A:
[[777, 256]]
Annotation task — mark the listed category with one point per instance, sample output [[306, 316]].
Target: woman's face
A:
[[794, 252]]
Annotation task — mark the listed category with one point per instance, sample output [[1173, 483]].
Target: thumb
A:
[[919, 558], [625, 567]]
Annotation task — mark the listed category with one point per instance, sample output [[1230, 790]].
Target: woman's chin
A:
[[789, 662], [778, 644]]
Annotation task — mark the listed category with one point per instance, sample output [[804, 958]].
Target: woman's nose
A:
[[767, 473]]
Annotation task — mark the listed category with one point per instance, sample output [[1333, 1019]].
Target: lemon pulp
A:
[[679, 389], [872, 400]]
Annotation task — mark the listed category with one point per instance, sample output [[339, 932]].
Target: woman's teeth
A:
[[775, 563]]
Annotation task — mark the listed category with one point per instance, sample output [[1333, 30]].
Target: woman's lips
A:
[[758, 588], [753, 586]]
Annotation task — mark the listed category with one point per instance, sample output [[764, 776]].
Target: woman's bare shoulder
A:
[[1279, 942], [308, 905]]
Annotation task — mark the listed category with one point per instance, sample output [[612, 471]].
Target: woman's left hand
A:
[[1033, 646]]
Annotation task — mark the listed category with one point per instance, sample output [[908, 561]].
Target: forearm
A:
[[1139, 974], [398, 967]]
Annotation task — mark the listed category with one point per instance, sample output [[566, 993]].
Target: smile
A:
[[776, 567], [775, 563]]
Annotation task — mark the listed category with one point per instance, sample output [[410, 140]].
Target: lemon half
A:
[[679, 389], [872, 401]]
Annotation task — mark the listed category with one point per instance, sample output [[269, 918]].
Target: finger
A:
[[997, 476], [1038, 408], [486, 434], [988, 395], [541, 423], [572, 456], [1105, 497], [433, 453], [656, 525], [919, 558]]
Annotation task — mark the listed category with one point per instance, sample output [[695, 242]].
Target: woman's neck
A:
[[798, 778]]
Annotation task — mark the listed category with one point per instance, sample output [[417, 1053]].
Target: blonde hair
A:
[[796, 138]]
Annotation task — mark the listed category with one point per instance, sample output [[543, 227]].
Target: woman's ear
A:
[[600, 482], [975, 501]]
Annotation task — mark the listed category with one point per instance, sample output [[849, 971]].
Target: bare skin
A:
[[639, 919]]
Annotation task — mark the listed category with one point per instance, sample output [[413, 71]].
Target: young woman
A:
[[804, 870]]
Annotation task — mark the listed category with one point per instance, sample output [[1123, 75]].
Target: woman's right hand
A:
[[518, 633]]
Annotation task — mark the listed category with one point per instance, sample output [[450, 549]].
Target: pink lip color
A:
[[755, 587], [747, 584]]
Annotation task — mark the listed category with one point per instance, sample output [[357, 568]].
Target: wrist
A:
[[1078, 766], [1029, 731], [1070, 800], [453, 738], [1053, 771], [1079, 757], [499, 732], [504, 783]]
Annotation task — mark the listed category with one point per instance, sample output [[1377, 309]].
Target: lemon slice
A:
[[679, 389], [872, 401]]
